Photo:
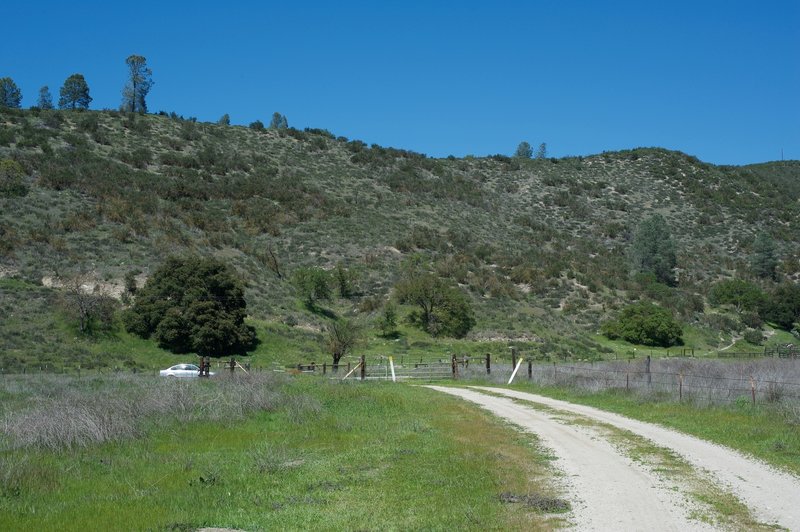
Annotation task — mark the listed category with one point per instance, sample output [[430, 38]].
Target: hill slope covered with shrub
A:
[[541, 246]]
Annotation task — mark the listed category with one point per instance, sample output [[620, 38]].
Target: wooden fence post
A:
[[647, 370], [454, 364], [232, 364], [530, 370], [680, 387], [513, 357], [753, 389], [324, 368], [363, 367], [488, 364], [555, 371]]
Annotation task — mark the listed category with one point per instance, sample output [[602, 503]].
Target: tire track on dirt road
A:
[[608, 490], [772, 495]]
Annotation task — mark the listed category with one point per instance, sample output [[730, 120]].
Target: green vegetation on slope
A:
[[541, 246]]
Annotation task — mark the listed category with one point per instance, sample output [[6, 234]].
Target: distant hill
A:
[[540, 245]]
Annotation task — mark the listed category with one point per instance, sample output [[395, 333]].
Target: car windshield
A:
[[178, 367]]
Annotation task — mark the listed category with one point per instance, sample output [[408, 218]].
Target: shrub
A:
[[12, 179], [644, 324], [721, 322], [752, 320], [346, 281], [7, 136], [138, 158], [8, 239], [313, 284], [753, 336], [782, 307], [387, 323], [741, 294]]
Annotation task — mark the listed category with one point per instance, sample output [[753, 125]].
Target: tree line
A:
[[74, 93]]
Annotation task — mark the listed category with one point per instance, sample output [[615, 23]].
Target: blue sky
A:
[[716, 79]]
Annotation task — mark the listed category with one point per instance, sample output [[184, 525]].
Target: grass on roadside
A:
[[330, 456]]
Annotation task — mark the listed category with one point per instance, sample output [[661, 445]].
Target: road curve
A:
[[609, 490], [773, 496]]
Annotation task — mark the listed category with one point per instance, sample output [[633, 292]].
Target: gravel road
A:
[[610, 491]]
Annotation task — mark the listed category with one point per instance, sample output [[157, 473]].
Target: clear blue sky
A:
[[716, 79]]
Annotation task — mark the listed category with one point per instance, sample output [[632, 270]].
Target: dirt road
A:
[[611, 489]]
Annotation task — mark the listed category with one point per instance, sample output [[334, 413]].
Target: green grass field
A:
[[332, 456]]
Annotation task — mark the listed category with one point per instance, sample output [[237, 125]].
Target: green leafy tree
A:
[[644, 324], [193, 304], [45, 98], [524, 150], [541, 153], [388, 321], [341, 337], [313, 284], [74, 94], [743, 295], [782, 307], [346, 281], [278, 121], [10, 95], [224, 120], [653, 251], [138, 85], [444, 310], [763, 260], [258, 125]]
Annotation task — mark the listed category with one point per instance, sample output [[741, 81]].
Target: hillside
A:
[[540, 245]]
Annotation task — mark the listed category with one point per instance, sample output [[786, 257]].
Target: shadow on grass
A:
[[320, 311]]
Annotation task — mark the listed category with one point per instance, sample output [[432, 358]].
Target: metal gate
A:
[[408, 369]]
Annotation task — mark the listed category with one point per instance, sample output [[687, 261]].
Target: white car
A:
[[182, 370]]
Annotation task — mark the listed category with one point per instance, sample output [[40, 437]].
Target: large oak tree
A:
[[193, 304]]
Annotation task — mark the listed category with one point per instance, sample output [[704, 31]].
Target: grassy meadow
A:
[[303, 454]]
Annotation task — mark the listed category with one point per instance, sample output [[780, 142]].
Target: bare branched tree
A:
[[342, 336], [84, 302]]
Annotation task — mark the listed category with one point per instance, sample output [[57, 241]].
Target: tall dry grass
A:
[[57, 412], [701, 382]]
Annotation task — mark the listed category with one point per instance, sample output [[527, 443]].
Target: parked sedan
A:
[[181, 370]]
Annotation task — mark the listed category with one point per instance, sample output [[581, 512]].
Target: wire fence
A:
[[700, 381], [773, 379]]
